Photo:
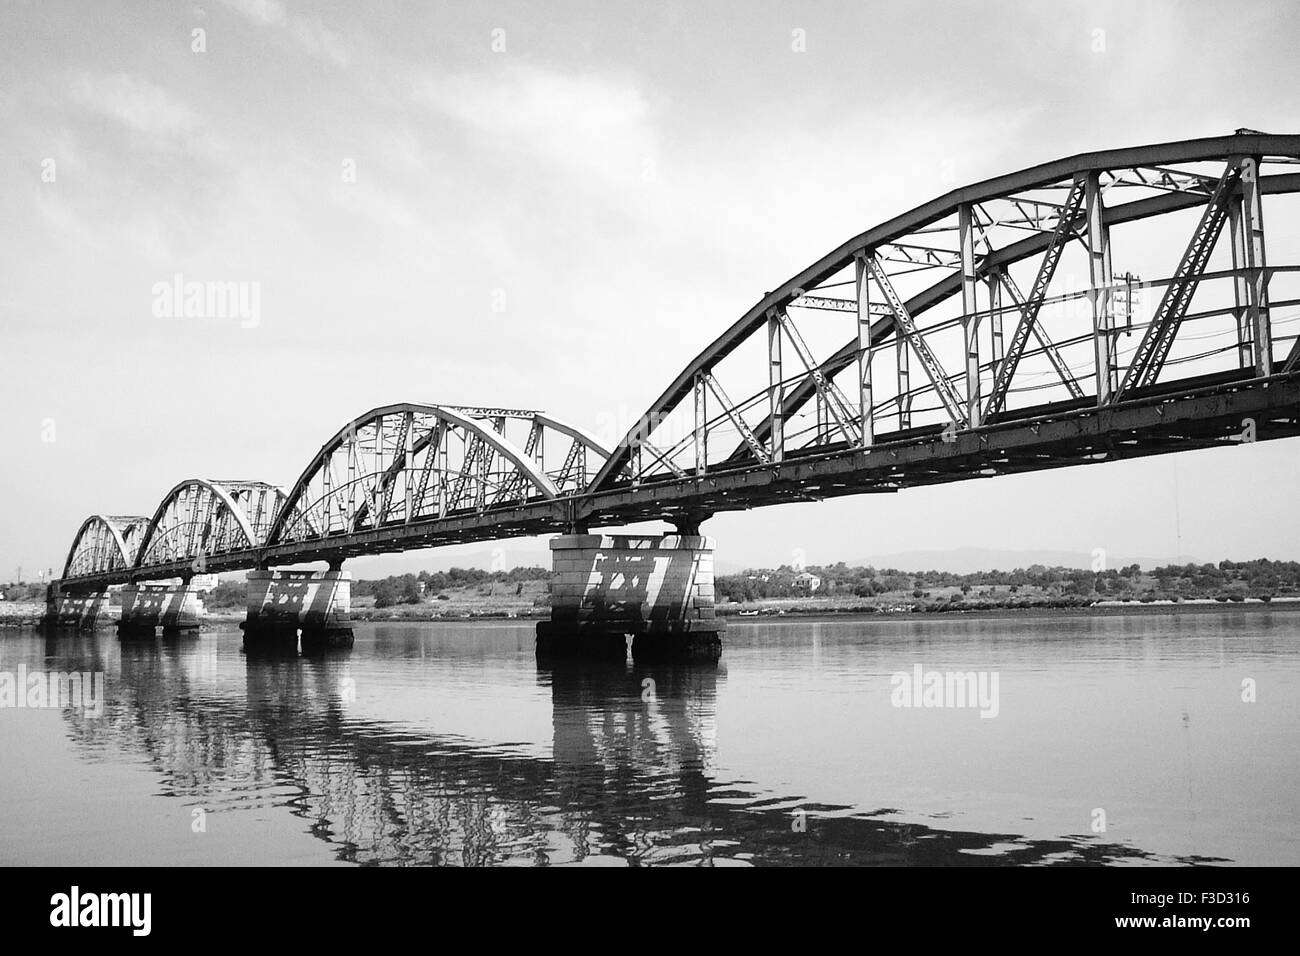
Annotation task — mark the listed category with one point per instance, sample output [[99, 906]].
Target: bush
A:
[[410, 593], [385, 594], [227, 594]]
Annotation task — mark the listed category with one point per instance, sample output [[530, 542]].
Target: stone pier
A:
[[658, 589], [283, 604], [75, 610], [176, 608]]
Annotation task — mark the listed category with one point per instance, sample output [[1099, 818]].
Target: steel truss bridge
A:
[[989, 331]]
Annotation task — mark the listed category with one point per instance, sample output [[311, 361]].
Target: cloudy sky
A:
[[621, 181]]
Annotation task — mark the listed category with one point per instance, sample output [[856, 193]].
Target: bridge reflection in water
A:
[[626, 779]]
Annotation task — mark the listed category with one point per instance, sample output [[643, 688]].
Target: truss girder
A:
[[1159, 338], [200, 518], [104, 543], [937, 215], [416, 462], [916, 342], [1032, 304], [1040, 335], [836, 404]]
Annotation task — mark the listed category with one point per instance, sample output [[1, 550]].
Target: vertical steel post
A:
[[444, 457], [701, 420], [995, 319], [327, 481], [408, 445], [904, 379], [1240, 284], [481, 474], [352, 440], [776, 390], [1099, 292], [1252, 223], [970, 312], [864, 351], [375, 504]]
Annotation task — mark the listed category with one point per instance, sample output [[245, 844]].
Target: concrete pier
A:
[[284, 604], [82, 611], [656, 589], [176, 608]]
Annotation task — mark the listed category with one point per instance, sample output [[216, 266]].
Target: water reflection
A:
[[630, 775]]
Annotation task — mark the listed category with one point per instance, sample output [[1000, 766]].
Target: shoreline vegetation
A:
[[467, 594]]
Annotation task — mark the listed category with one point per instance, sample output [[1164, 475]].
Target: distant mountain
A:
[[970, 560]]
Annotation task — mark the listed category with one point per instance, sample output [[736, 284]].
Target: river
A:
[[1142, 738]]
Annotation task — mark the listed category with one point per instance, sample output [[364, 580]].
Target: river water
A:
[[1142, 738]]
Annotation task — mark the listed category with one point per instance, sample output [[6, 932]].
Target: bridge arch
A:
[[104, 543], [1023, 302], [411, 461], [208, 518]]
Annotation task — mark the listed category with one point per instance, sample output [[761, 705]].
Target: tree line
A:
[[1227, 579]]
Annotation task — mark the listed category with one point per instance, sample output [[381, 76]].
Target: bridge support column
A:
[[81, 611], [282, 604], [656, 588], [176, 608]]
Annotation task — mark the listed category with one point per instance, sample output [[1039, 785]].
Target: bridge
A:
[[983, 333]]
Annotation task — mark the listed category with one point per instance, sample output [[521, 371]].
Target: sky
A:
[[548, 206]]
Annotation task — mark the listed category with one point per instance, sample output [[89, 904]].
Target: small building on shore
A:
[[807, 582]]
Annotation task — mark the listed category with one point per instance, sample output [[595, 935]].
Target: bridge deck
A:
[[1203, 413]]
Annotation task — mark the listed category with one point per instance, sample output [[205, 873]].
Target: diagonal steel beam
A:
[[399, 462], [913, 338], [836, 404], [468, 465], [1293, 360], [1030, 307], [1040, 334], [1154, 348], [660, 457], [760, 452], [433, 446]]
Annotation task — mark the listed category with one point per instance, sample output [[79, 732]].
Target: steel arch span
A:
[[992, 303], [1105, 306], [200, 519], [104, 544], [409, 463]]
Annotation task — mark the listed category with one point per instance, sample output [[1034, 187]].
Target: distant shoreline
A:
[[1044, 610], [29, 614]]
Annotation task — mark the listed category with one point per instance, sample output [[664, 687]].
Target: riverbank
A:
[[29, 613]]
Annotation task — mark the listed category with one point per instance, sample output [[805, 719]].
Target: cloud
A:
[[588, 125], [268, 12], [134, 102], [309, 34], [312, 36]]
